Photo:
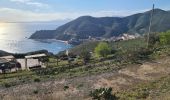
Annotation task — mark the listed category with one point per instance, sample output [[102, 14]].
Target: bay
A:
[[14, 38]]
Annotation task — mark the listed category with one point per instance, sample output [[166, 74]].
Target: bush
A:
[[45, 71], [102, 49], [66, 87], [37, 80], [35, 91], [85, 55], [153, 39], [7, 85], [165, 38], [103, 94], [80, 85], [143, 53]]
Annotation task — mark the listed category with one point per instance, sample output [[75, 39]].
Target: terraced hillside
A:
[[79, 87]]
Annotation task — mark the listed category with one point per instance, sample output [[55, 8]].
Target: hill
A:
[[86, 26], [3, 53]]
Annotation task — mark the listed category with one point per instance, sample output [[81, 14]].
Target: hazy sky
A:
[[46, 10]]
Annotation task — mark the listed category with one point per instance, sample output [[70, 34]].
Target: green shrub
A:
[[102, 49], [35, 91], [80, 85], [154, 39], [85, 55], [37, 80], [66, 87], [103, 94], [165, 38], [7, 85], [45, 71]]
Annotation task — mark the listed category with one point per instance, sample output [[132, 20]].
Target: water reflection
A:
[[11, 31], [13, 38]]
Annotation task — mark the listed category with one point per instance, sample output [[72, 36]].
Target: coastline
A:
[[50, 39], [30, 45], [72, 43], [67, 42]]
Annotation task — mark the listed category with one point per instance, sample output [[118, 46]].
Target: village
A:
[[124, 36]]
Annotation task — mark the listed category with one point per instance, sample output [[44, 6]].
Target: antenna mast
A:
[[151, 18]]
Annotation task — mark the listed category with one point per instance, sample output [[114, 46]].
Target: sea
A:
[[14, 38]]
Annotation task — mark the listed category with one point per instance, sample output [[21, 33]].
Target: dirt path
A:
[[79, 87]]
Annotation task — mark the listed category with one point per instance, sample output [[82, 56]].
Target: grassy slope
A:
[[126, 45], [65, 71]]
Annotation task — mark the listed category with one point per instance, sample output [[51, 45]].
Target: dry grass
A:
[[79, 87]]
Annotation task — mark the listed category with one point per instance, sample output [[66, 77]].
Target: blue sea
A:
[[14, 38]]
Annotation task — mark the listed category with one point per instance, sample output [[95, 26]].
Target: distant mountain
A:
[[3, 53], [86, 26]]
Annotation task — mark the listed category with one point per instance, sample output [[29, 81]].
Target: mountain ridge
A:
[[85, 26]]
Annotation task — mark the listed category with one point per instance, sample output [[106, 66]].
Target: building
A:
[[11, 64], [7, 65], [34, 61], [9, 58]]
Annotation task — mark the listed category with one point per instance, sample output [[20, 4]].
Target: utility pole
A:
[[150, 24]]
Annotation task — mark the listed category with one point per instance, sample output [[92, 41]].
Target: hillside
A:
[[3, 53], [132, 71], [86, 26], [133, 82]]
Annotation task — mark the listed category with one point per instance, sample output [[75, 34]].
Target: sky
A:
[[58, 10]]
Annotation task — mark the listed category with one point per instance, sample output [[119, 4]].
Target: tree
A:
[[102, 49], [85, 55]]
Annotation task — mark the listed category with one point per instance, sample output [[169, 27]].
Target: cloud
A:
[[110, 13], [31, 3], [22, 1], [18, 15]]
